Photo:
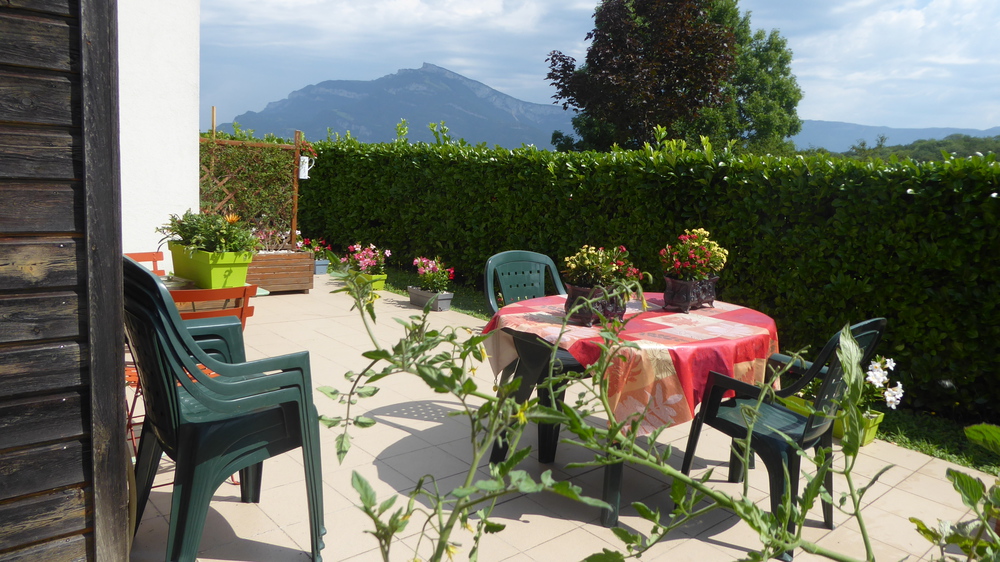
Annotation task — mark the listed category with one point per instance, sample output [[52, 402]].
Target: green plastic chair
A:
[[814, 431], [520, 275], [213, 425]]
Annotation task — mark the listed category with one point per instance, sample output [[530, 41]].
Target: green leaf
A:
[[363, 421], [490, 485], [489, 527], [985, 435], [330, 422], [606, 556], [377, 355], [386, 505], [364, 489], [625, 536], [971, 489], [343, 444], [367, 391], [329, 391]]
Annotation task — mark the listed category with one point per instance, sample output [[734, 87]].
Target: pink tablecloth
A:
[[676, 351]]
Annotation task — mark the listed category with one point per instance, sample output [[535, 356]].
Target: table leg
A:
[[532, 368], [612, 493]]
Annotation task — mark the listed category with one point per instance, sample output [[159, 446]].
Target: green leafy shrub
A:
[[814, 242]]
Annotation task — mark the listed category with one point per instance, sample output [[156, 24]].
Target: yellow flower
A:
[[520, 415], [451, 550], [232, 218]]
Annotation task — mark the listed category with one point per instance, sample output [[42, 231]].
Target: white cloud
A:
[[901, 63]]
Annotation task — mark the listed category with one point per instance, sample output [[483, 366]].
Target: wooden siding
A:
[[63, 491]]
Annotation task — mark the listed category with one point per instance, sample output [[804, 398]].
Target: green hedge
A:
[[815, 243]]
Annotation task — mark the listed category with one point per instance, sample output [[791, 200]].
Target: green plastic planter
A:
[[377, 281], [211, 270], [870, 429]]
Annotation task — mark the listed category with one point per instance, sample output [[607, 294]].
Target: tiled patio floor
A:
[[416, 436]]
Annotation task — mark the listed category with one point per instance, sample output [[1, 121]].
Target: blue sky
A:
[[896, 63]]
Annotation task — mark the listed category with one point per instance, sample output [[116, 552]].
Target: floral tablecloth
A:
[[675, 351]]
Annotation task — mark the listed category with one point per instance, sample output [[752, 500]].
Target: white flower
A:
[[894, 395], [876, 373], [890, 364]]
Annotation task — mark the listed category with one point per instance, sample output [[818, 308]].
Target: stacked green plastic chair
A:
[[213, 425]]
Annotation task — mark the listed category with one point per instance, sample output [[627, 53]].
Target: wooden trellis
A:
[[226, 188]]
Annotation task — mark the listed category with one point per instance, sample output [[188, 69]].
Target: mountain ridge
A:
[[371, 109], [839, 136]]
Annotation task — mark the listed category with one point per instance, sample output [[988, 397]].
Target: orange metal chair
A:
[[153, 258]]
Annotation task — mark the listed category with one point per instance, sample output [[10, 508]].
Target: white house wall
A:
[[158, 44]]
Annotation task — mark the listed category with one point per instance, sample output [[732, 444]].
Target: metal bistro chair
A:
[[212, 412], [814, 431], [520, 275]]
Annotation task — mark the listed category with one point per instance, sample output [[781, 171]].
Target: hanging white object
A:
[[305, 164]]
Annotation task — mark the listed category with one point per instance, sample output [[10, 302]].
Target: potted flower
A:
[[690, 270], [321, 252], [434, 278], [592, 273], [369, 261], [212, 250], [877, 389]]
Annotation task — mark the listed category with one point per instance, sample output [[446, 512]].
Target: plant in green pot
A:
[[369, 262], [434, 278], [690, 270], [593, 274], [877, 389], [212, 250]]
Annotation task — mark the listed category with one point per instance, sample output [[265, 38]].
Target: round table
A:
[[663, 378]]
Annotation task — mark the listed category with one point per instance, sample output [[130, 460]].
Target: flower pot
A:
[[211, 270], [321, 266], [420, 298], [869, 428], [685, 295], [377, 280], [282, 271], [605, 305]]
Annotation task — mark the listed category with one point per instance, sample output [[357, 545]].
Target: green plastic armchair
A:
[[814, 431], [215, 423], [520, 275]]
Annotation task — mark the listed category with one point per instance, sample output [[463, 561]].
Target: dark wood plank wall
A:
[[62, 477]]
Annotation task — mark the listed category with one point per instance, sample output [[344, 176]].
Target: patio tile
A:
[[574, 545]]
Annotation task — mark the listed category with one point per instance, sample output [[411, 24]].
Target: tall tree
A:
[[650, 62], [753, 101], [762, 93]]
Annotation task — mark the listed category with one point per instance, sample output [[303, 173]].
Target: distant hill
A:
[[371, 109], [839, 137]]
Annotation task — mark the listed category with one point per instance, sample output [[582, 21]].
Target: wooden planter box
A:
[[291, 271]]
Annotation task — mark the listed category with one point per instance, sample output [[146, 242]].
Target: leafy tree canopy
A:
[[762, 93], [747, 93], [650, 62]]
